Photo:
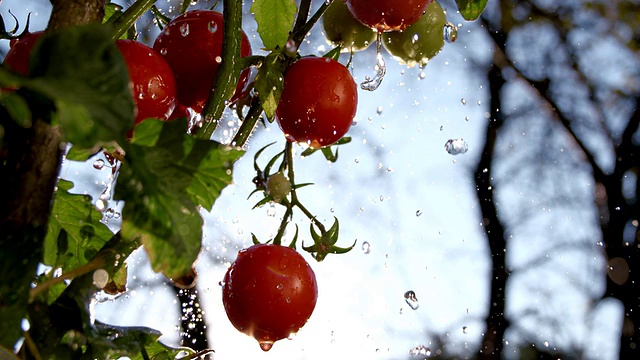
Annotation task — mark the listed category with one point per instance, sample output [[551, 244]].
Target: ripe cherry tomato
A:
[[192, 44], [318, 102], [387, 15], [269, 293], [17, 58], [153, 83], [421, 41], [340, 27]]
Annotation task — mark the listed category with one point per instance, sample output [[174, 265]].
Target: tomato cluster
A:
[[176, 74]]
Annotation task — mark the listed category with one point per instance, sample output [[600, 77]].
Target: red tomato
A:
[[17, 58], [269, 293], [318, 102], [387, 15], [192, 44], [153, 83]]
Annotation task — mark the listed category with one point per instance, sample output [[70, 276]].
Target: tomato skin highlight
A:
[[387, 15], [153, 82], [269, 292], [17, 58], [318, 103], [192, 45]]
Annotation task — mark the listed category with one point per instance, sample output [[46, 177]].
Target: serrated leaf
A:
[[275, 20], [75, 233], [269, 84], [212, 172], [471, 9], [163, 183], [82, 71]]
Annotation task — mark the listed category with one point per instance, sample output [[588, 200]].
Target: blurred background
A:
[[526, 246]]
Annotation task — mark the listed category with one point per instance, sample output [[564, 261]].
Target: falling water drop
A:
[[366, 247], [98, 164], [456, 146], [369, 83], [411, 299], [265, 345], [418, 212], [450, 32]]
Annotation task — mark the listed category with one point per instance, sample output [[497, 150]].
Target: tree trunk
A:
[[496, 321]]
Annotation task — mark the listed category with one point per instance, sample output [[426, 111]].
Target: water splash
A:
[[372, 83], [420, 350]]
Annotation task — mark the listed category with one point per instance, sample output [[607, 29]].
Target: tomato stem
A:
[[303, 14], [298, 34], [246, 128], [129, 17], [294, 194], [229, 71]]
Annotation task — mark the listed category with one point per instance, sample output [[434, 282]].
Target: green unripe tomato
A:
[[421, 41], [341, 28], [278, 187]]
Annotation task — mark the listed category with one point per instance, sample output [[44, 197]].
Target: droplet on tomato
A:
[[163, 51], [184, 29], [266, 345], [212, 26]]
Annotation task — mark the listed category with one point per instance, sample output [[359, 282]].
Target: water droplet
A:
[[98, 164], [422, 75], [456, 146], [463, 101], [465, 329], [369, 83], [420, 350], [218, 59], [379, 110], [184, 29], [366, 247], [212, 26], [466, 118], [279, 286], [100, 278], [450, 32], [163, 51], [265, 345], [411, 299], [418, 212]]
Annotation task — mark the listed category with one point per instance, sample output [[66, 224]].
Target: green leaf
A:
[[75, 233], [275, 20], [163, 183], [471, 9], [269, 84], [83, 72], [17, 107]]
